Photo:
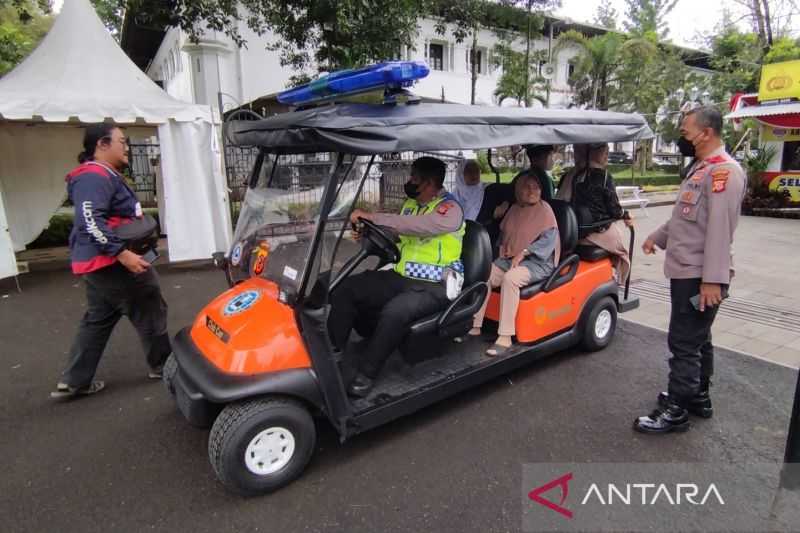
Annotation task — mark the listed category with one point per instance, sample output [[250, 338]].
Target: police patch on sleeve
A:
[[719, 179], [444, 207]]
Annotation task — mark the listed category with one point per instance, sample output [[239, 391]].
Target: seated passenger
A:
[[529, 250], [580, 155], [469, 189], [431, 227], [541, 162], [594, 197]]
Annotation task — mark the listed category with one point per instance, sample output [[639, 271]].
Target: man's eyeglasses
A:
[[125, 142]]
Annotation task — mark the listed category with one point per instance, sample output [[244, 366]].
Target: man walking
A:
[[698, 239]]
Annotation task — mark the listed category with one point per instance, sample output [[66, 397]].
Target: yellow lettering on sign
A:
[[779, 80]]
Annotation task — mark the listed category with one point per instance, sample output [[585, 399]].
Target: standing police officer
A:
[[698, 240], [431, 227], [118, 280]]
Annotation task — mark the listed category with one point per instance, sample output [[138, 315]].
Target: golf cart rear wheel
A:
[[168, 373], [600, 325], [258, 446]]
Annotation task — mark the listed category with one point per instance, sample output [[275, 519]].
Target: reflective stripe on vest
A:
[[425, 258]]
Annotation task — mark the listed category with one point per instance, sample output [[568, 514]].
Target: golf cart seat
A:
[[569, 260], [456, 319], [588, 252]]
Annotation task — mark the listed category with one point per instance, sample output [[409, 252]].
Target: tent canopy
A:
[[80, 75], [78, 72], [373, 129]]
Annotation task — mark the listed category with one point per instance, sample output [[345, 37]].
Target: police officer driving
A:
[[698, 241], [430, 228]]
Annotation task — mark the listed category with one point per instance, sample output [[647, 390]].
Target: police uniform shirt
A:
[[446, 217], [698, 237]]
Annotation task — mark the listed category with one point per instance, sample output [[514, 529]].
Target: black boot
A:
[[699, 405], [673, 417], [360, 386]]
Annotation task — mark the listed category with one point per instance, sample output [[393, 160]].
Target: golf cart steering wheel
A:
[[377, 241]]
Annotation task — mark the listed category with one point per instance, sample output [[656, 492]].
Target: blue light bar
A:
[[391, 74]]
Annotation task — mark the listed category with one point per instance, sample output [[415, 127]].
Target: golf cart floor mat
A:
[[399, 378]]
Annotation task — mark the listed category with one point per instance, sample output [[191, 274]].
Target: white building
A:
[[199, 72]]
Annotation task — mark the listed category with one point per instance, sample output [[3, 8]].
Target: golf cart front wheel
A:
[[168, 373], [259, 446], [600, 325]]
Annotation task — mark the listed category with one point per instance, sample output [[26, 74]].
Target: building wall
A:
[[195, 73]]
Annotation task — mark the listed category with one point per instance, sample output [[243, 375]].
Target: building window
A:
[[570, 70], [436, 56], [480, 58], [791, 157]]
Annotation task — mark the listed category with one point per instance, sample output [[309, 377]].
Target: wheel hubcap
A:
[[269, 451], [603, 324]]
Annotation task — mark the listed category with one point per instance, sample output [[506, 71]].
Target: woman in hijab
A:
[[529, 250], [580, 156], [469, 189], [594, 197]]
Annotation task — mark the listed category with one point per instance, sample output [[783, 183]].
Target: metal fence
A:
[[142, 161], [305, 174]]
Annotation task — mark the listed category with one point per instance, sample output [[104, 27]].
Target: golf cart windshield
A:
[[279, 216]]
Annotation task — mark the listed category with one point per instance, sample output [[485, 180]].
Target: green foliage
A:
[[783, 49], [112, 13], [596, 65], [23, 24], [512, 82], [606, 16], [756, 163], [648, 17]]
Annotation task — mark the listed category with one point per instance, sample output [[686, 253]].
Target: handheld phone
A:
[[151, 256], [695, 300]]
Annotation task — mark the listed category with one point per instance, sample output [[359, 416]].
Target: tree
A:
[[23, 24], [533, 23], [112, 13], [783, 49], [596, 65], [648, 16], [516, 74], [606, 16], [770, 19], [466, 17]]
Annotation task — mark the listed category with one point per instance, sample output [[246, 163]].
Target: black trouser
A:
[[111, 292], [689, 340], [395, 301]]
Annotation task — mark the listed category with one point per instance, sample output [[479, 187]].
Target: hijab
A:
[[469, 196]]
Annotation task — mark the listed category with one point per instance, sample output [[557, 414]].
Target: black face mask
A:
[[686, 147], [411, 189]]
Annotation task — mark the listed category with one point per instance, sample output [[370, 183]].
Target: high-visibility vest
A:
[[425, 258]]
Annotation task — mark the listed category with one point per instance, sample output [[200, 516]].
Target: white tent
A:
[[79, 75]]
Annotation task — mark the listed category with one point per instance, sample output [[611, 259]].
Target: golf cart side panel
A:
[[247, 330], [472, 377], [202, 389], [546, 313]]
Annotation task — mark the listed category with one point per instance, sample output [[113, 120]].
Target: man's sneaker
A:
[[156, 373], [700, 405], [671, 418], [64, 391]]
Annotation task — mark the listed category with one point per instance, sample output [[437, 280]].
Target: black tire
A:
[[604, 310], [168, 373], [240, 423]]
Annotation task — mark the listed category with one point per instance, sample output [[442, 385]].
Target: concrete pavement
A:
[[762, 316], [125, 460]]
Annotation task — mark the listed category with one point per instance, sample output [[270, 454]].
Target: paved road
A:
[[126, 461]]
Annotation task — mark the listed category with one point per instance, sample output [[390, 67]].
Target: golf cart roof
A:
[[374, 129]]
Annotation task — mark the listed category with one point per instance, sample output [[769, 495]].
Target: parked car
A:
[[619, 158]]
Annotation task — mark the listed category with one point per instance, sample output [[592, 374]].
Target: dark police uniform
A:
[[698, 240]]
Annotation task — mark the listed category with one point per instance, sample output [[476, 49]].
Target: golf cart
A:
[[257, 364]]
